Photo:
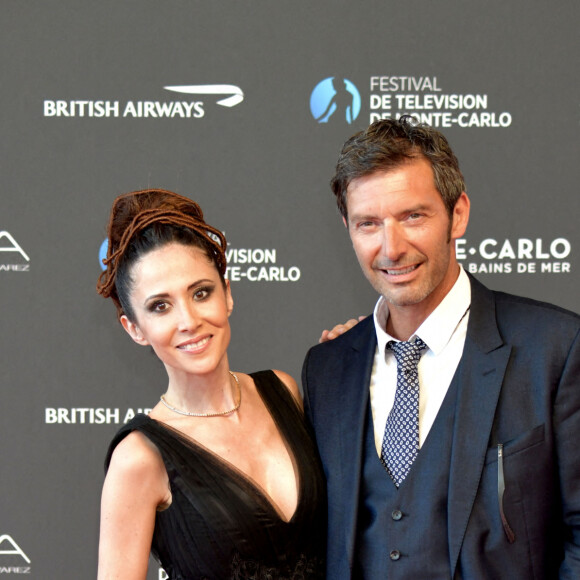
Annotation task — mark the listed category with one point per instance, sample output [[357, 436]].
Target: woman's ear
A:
[[229, 299], [133, 331]]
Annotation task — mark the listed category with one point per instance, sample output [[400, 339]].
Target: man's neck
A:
[[404, 320]]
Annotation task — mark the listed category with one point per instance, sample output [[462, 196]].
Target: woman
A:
[[222, 479]]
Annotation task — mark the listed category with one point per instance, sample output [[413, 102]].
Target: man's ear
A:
[[460, 216], [345, 222], [133, 331]]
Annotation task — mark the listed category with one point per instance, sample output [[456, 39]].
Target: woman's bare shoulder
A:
[[135, 451], [136, 463], [291, 385]]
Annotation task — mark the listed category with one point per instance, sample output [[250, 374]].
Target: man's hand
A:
[[339, 329]]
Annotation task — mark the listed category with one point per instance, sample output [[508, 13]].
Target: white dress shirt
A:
[[444, 333]]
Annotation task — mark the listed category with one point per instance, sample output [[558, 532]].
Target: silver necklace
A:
[[220, 414]]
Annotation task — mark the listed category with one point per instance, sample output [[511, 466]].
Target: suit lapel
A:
[[480, 375], [354, 396]]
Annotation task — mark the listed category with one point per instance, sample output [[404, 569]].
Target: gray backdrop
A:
[[85, 117]]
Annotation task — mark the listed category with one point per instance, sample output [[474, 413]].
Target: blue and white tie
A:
[[401, 439]]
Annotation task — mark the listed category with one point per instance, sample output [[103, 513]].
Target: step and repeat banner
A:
[[242, 106]]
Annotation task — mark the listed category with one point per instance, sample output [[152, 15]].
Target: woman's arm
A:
[[136, 486]]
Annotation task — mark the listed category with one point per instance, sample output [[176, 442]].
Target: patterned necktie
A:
[[401, 439]]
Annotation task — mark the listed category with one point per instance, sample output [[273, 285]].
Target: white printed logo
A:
[[521, 256], [14, 247], [235, 98], [229, 96], [424, 99], [16, 549]]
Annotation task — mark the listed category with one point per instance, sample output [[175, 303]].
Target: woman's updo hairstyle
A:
[[142, 221]]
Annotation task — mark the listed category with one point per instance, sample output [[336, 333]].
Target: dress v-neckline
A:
[[229, 467]]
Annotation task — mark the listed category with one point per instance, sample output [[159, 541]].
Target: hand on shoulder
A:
[[339, 329]]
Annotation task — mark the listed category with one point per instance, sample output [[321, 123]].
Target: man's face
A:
[[403, 236]]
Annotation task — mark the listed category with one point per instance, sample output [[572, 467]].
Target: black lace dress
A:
[[220, 524]]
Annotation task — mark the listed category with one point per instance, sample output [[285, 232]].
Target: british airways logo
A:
[[236, 95], [226, 96]]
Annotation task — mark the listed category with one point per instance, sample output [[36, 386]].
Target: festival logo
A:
[[515, 256], [428, 100], [424, 97], [250, 264], [335, 100], [103, 253]]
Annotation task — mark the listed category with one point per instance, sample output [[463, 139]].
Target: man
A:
[[484, 480]]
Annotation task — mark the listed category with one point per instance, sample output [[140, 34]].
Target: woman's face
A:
[[181, 309]]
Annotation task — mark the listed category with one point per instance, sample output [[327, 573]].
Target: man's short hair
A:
[[389, 143]]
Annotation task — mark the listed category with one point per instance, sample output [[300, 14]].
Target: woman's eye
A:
[[159, 307], [201, 294]]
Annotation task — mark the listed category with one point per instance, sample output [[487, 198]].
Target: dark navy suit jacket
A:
[[519, 386]]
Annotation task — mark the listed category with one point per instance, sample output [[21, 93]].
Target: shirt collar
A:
[[438, 328]]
